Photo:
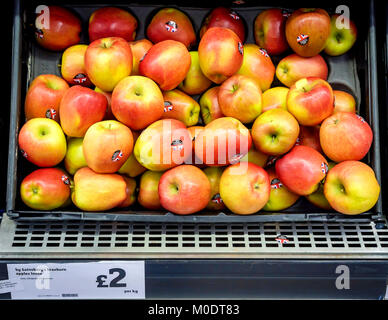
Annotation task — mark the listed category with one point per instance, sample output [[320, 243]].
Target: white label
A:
[[89, 280], [7, 286]]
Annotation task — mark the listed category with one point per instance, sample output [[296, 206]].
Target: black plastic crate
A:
[[355, 72]]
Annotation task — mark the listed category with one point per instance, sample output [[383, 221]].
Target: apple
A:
[[45, 189], [275, 97], [73, 66], [194, 131], [108, 95], [44, 96], [107, 61], [223, 141], [178, 105], [139, 49], [344, 102], [345, 136], [167, 63], [224, 18], [258, 65], [42, 142], [210, 108], [340, 40], [137, 102], [132, 168], [280, 198], [98, 191], [130, 191], [310, 100], [301, 170], [240, 97], [171, 24], [112, 22], [195, 81], [247, 182], [214, 175], [74, 158], [275, 132], [318, 198], [309, 136], [163, 145], [351, 187], [107, 145], [269, 31], [220, 54], [81, 107], [178, 186], [307, 31], [255, 156], [57, 28], [294, 67], [148, 195]]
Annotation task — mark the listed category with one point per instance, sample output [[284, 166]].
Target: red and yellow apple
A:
[[307, 31], [309, 136], [132, 168], [44, 96], [98, 191], [220, 54], [275, 97], [214, 175], [318, 198], [223, 141], [294, 67], [240, 97], [194, 132], [81, 107], [148, 195], [340, 40], [344, 102], [247, 182], [107, 145], [275, 132], [167, 63], [180, 106], [57, 28], [301, 170], [178, 186], [74, 158], [42, 142], [258, 65], [73, 65], [351, 187], [280, 198], [107, 61], [139, 49], [195, 81], [224, 18], [171, 24], [112, 22], [255, 156], [310, 101], [210, 108], [269, 31], [45, 189], [137, 102], [130, 192], [345, 136], [108, 95], [163, 145]]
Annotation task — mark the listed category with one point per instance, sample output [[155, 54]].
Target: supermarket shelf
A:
[[117, 240]]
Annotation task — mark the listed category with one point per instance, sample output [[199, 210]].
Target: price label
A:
[[89, 280]]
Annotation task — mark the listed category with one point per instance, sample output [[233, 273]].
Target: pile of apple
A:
[[125, 122]]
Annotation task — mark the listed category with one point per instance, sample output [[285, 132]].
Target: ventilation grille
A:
[[274, 237]]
